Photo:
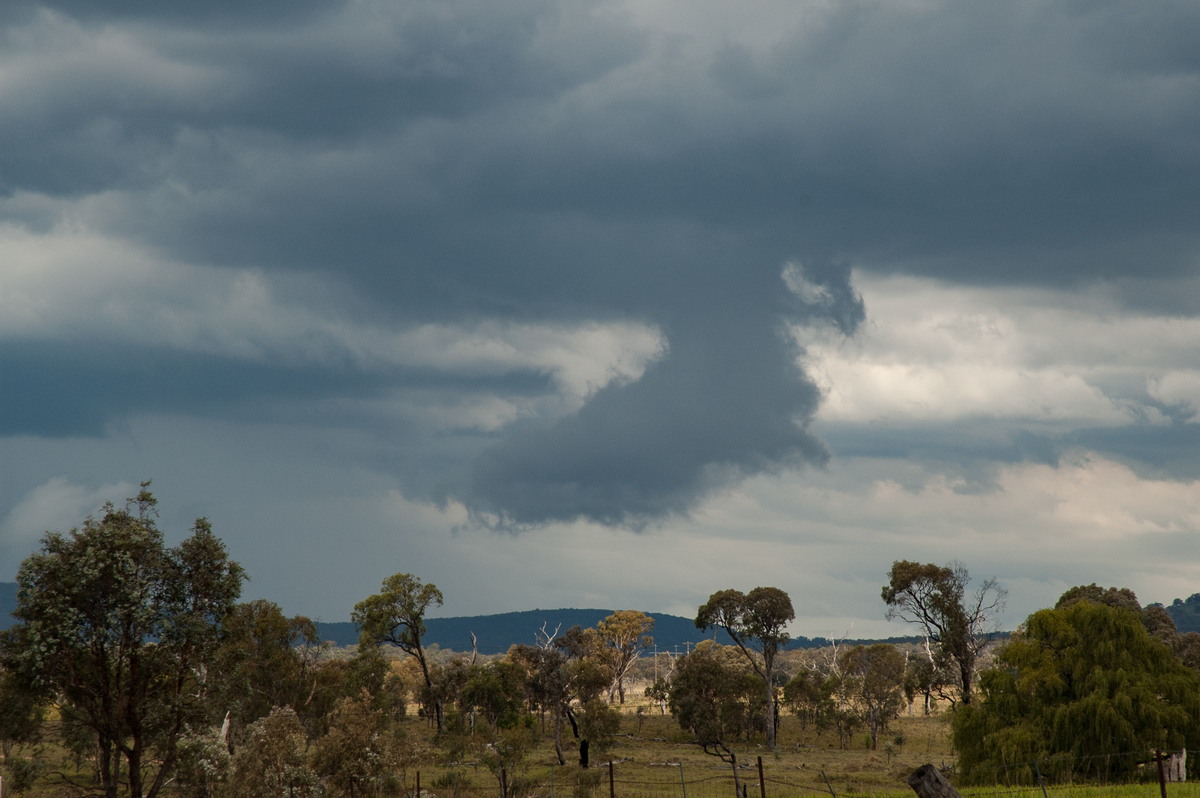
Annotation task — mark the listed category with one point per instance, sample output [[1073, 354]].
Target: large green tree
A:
[[935, 598], [1081, 689], [756, 622], [396, 616], [120, 629]]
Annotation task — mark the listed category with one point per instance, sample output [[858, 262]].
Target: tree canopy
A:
[[1081, 689]]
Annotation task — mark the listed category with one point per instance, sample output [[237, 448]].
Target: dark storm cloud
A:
[[544, 160]]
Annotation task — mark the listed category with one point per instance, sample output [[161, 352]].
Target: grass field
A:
[[654, 759]]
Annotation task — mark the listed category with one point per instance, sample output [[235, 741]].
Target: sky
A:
[[615, 304]]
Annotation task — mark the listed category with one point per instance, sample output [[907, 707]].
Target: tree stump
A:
[[928, 782]]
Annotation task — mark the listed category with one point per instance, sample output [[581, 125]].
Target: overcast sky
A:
[[610, 304]]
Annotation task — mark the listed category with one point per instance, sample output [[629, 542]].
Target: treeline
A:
[[134, 669]]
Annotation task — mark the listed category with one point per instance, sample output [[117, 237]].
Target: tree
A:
[[363, 751], [934, 598], [273, 762], [715, 696], [625, 634], [755, 621], [265, 660], [396, 616], [120, 630], [873, 679], [1082, 689], [497, 692]]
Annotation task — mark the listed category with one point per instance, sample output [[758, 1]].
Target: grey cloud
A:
[[482, 160]]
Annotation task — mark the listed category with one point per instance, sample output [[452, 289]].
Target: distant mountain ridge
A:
[[495, 634]]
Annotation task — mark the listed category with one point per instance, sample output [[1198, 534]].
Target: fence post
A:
[[682, 781], [612, 788], [417, 794], [762, 784], [1041, 781], [1162, 776], [827, 784]]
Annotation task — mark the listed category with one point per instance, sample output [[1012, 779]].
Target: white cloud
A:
[[1180, 388], [57, 505], [77, 285], [935, 352]]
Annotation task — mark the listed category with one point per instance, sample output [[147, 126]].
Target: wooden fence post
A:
[[762, 784], [612, 787], [827, 784], [928, 782]]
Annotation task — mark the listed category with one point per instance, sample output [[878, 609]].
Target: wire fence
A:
[[1061, 775], [608, 781]]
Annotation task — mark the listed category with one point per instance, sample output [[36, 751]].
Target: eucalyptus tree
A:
[[756, 622], [624, 634], [396, 616], [715, 696], [935, 599], [121, 630], [873, 679], [265, 660]]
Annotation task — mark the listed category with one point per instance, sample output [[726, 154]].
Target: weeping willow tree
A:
[[1081, 691]]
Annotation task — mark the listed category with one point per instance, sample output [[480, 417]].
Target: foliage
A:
[[809, 695], [497, 692], [505, 753], [21, 715], [204, 763], [1084, 685], [715, 696], [364, 751], [624, 635], [756, 622], [934, 598], [599, 724], [121, 630], [272, 760], [265, 661], [396, 616], [872, 679]]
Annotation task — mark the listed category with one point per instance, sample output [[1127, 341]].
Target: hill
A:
[[497, 633], [1185, 613]]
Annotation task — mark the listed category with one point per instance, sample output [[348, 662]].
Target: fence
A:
[[608, 781], [756, 780]]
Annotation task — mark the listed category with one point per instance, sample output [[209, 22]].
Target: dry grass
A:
[[653, 757]]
